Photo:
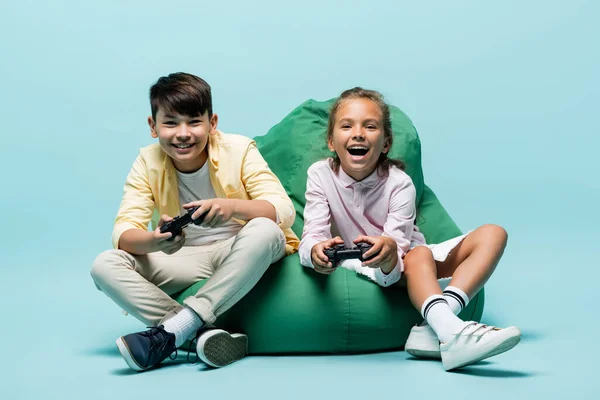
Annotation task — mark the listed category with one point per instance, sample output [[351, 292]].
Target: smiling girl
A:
[[360, 195]]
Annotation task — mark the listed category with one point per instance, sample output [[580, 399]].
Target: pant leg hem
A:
[[201, 309]]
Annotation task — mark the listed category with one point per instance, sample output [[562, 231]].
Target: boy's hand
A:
[[318, 257], [161, 240], [218, 211], [387, 258]]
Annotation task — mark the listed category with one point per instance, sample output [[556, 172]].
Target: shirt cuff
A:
[[119, 229], [374, 274], [285, 212], [387, 280], [305, 250]]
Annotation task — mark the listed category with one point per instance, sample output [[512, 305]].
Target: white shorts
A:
[[441, 251]]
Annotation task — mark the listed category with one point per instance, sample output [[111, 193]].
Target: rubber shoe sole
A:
[[423, 343], [219, 348], [420, 353], [124, 350]]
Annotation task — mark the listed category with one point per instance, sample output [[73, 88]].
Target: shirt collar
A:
[[213, 148], [370, 181]]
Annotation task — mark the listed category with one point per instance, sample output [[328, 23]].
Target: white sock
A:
[[184, 325], [456, 298], [440, 317]]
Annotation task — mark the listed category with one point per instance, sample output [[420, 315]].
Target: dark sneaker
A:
[[218, 348], [143, 350]]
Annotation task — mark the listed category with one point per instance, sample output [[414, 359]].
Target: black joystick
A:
[[339, 253], [176, 225]]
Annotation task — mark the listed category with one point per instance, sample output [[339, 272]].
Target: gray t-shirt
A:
[[197, 186]]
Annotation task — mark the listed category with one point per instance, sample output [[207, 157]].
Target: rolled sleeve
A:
[[137, 205], [262, 184]]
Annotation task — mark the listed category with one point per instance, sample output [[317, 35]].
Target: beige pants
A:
[[141, 285]]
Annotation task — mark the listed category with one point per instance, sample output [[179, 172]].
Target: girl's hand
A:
[[318, 257], [218, 211], [161, 240], [387, 248]]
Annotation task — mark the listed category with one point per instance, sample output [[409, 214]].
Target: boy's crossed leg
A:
[[142, 285]]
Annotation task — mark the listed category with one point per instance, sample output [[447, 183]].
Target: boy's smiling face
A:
[[184, 138]]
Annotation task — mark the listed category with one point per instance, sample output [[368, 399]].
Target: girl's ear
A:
[[386, 147], [152, 126], [330, 145]]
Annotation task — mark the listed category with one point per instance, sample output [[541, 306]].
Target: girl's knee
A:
[[494, 233], [417, 256], [417, 259]]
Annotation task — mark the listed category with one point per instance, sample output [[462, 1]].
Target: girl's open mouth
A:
[[358, 150]]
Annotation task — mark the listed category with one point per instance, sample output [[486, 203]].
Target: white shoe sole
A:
[[124, 350], [423, 345], [218, 348], [494, 349], [420, 353]]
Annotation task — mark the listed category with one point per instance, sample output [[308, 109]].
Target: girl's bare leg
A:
[[473, 261]]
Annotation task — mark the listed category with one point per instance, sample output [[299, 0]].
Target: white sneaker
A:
[[218, 348], [475, 342], [423, 342]]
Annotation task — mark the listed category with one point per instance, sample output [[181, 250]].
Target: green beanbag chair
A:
[[293, 309]]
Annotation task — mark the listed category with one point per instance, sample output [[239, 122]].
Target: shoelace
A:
[[159, 340], [194, 350]]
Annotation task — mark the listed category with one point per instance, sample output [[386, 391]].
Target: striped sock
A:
[[456, 298], [440, 317]]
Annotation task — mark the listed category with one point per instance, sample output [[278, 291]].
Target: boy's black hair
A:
[[182, 93]]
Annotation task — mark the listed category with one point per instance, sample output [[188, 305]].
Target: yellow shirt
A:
[[237, 171]]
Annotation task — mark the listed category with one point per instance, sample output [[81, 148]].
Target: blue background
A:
[[503, 94]]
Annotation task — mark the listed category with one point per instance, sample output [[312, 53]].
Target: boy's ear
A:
[[214, 121], [152, 126]]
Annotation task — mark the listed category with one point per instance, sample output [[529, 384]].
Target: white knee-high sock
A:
[[440, 317], [185, 324], [456, 298]]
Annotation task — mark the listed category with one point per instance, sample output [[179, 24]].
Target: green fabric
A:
[[293, 309]]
